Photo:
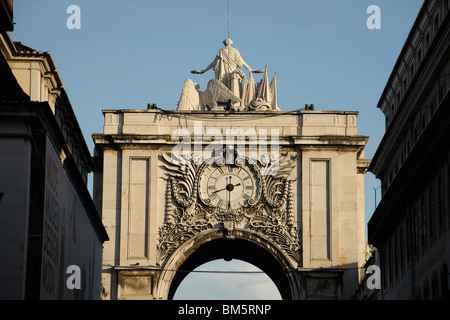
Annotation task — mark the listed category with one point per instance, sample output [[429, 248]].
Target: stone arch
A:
[[238, 244]]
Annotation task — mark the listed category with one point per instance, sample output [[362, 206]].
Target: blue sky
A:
[[130, 53]]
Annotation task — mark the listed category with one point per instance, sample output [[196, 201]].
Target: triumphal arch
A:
[[229, 175]]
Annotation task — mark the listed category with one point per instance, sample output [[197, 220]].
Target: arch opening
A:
[[254, 252], [227, 280]]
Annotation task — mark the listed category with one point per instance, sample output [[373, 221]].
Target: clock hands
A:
[[228, 193], [227, 196], [229, 187]]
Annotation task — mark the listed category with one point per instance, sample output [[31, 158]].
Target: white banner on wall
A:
[[68, 238]]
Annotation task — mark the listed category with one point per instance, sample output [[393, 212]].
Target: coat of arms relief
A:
[[254, 195]]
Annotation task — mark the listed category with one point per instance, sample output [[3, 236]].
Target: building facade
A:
[[50, 228], [411, 225], [303, 225]]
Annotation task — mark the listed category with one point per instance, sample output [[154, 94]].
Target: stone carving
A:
[[188, 213], [216, 93], [237, 92]]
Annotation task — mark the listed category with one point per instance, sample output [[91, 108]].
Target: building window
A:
[[433, 106], [441, 92], [395, 244], [401, 245], [411, 71], [426, 291], [390, 114], [424, 118], [447, 192], [434, 287], [415, 231], [432, 212], [385, 269], [409, 143], [417, 294], [427, 41], [423, 222], [419, 56], [441, 206], [436, 24], [444, 280], [407, 240], [391, 262]]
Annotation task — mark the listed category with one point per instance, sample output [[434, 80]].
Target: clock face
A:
[[230, 187]]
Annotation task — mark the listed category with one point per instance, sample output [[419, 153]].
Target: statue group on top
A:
[[230, 90]]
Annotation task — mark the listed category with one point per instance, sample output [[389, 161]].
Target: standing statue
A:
[[227, 60]]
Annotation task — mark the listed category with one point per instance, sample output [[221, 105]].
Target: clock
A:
[[229, 187]]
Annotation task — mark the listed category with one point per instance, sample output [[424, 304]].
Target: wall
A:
[[15, 162]]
